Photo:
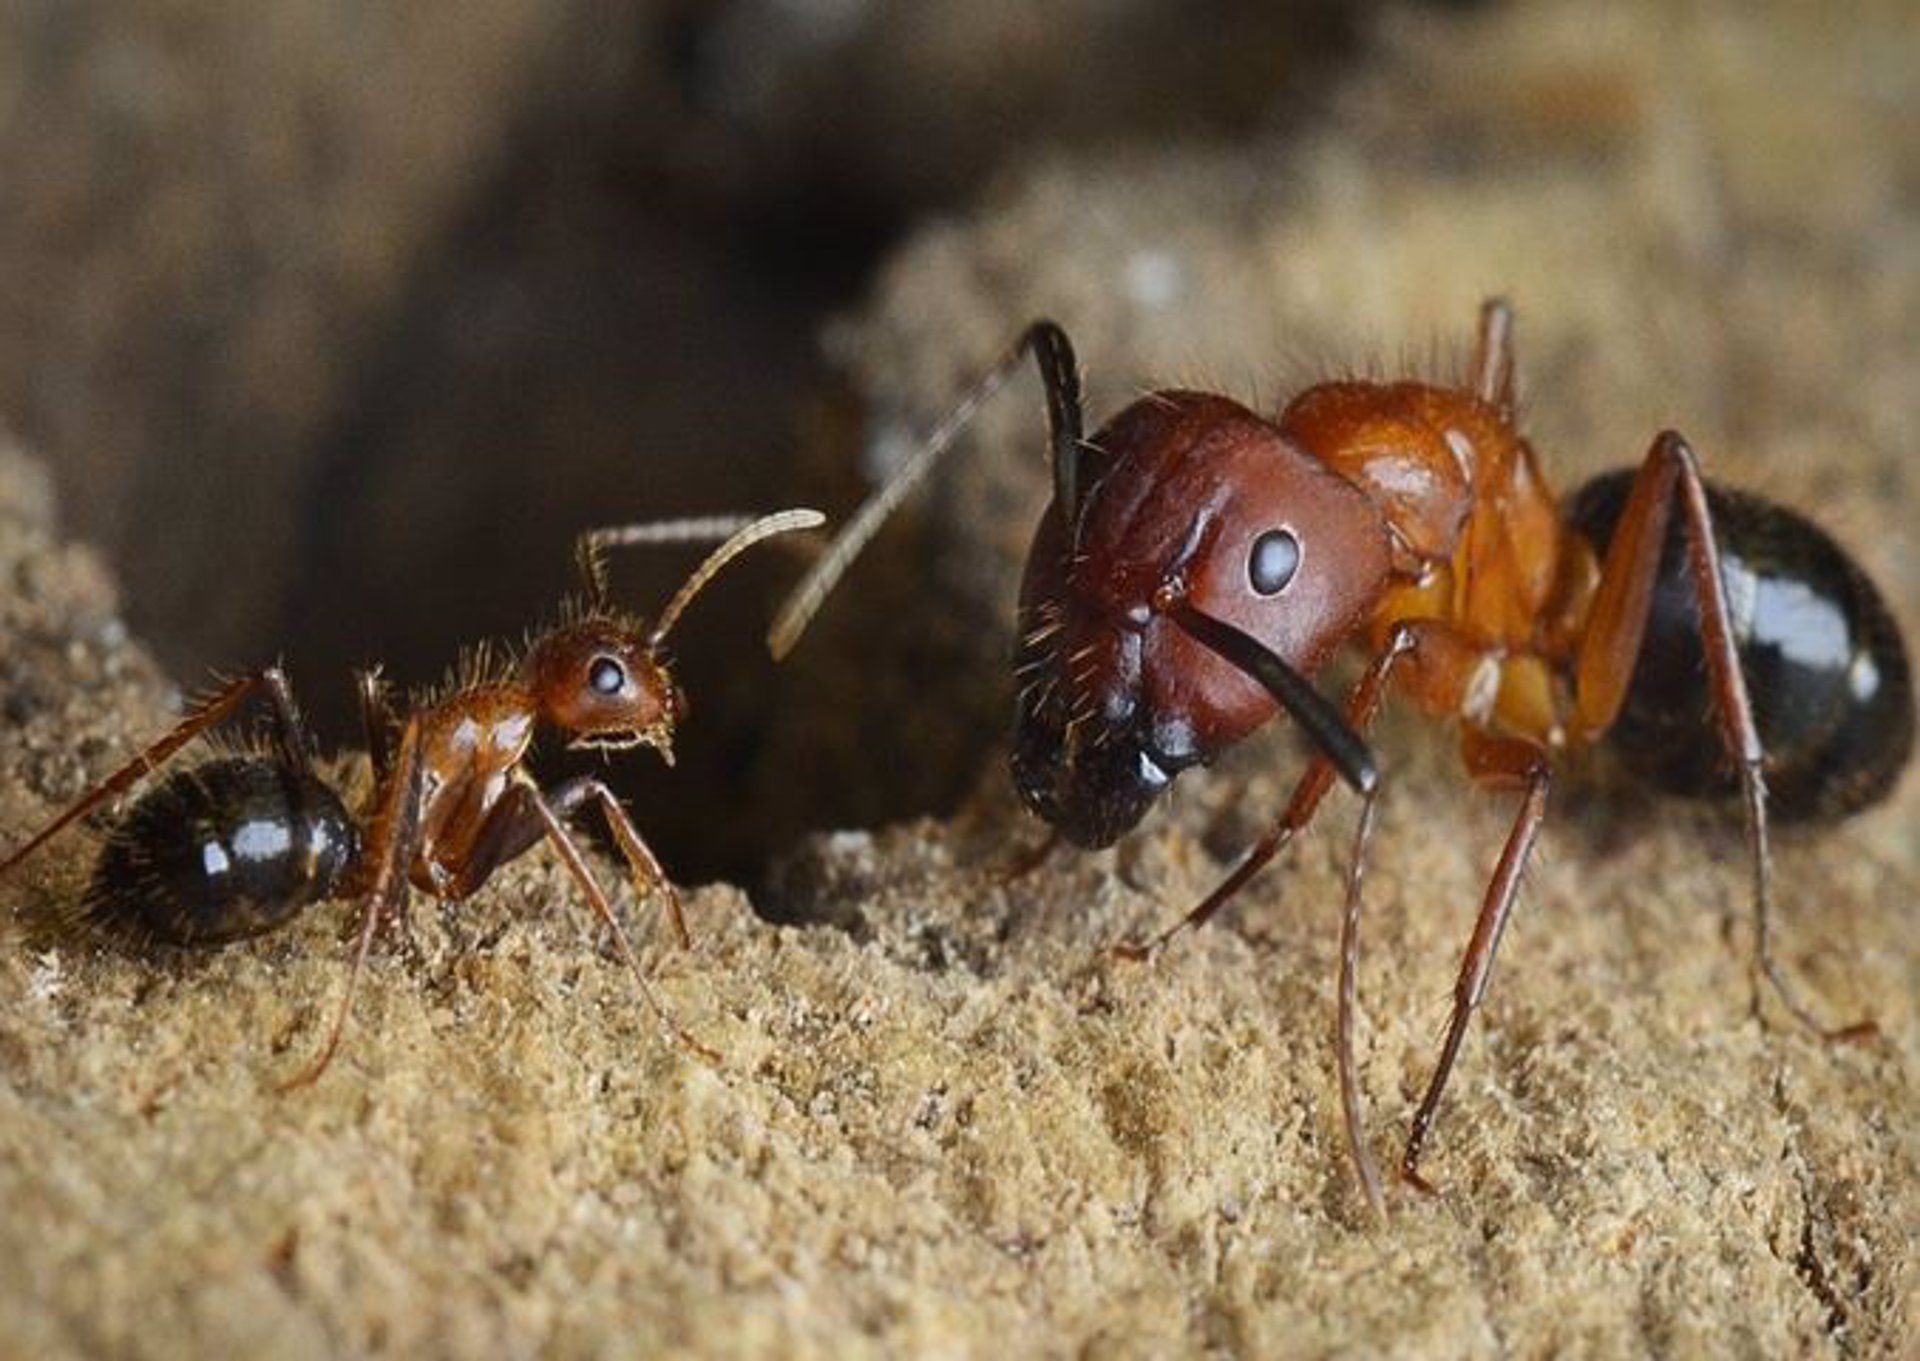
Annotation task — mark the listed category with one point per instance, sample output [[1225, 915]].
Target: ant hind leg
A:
[[1611, 648], [290, 736], [380, 877]]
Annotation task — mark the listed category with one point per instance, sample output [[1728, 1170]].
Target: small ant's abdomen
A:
[[226, 850], [1824, 663]]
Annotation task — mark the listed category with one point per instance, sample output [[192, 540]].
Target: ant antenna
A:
[[1061, 378], [1319, 719], [742, 534], [590, 549]]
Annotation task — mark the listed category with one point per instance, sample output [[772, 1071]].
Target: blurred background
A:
[[338, 321]]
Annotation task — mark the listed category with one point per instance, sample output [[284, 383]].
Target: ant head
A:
[[1201, 509], [601, 681], [603, 676]]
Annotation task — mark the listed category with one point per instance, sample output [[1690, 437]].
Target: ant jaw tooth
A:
[[606, 741], [659, 737]]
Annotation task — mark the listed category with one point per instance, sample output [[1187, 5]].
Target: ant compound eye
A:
[[607, 676], [1273, 561]]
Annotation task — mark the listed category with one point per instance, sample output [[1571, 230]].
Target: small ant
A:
[[238, 845], [1198, 562]]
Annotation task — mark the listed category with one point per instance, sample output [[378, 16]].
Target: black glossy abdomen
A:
[[1824, 663], [225, 850]]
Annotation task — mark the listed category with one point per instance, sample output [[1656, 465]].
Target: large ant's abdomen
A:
[[1824, 663], [225, 850]]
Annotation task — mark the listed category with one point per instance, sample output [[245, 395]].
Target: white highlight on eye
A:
[[1863, 676]]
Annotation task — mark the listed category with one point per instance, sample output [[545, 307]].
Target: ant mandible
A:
[[238, 845], [1198, 562]]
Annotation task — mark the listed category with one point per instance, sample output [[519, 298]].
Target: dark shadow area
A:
[[355, 402]]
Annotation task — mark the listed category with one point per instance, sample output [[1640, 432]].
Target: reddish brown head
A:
[[1192, 504], [603, 677], [599, 681]]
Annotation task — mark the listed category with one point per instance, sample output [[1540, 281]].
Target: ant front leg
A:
[[290, 737], [1610, 650], [576, 863], [1363, 702], [1025, 862], [516, 826], [1426, 659], [1499, 762], [641, 862]]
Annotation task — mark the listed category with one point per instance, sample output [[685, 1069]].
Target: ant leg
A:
[[1444, 670], [1347, 1009], [1499, 761], [515, 827], [641, 863], [1059, 375], [1026, 862], [290, 734], [376, 720], [1493, 356], [380, 877], [216, 708], [577, 866], [1438, 659], [1611, 648]]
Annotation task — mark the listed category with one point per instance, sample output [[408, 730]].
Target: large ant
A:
[[1198, 562], [238, 845]]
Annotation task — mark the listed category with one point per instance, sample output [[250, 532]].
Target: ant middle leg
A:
[[290, 739], [377, 724], [1610, 650], [1495, 761], [1426, 659]]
